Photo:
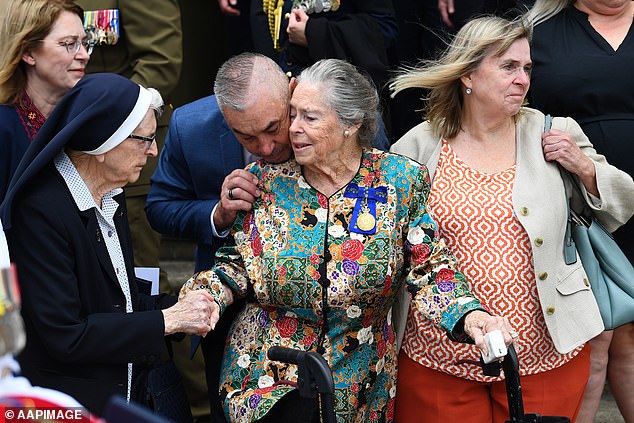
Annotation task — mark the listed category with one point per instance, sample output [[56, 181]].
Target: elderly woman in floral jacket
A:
[[334, 235]]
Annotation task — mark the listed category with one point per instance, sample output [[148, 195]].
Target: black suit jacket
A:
[[79, 337]]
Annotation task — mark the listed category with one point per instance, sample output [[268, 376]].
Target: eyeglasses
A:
[[73, 46], [147, 140]]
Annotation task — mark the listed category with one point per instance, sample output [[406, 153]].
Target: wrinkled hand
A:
[[446, 8], [559, 146], [478, 323], [195, 314], [228, 7], [243, 186], [297, 27]]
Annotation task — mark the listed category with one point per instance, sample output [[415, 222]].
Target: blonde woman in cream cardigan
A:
[[499, 200]]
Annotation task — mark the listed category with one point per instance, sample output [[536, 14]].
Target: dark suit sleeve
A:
[[56, 298], [173, 207]]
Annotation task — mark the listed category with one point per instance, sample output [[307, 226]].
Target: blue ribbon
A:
[[368, 195]]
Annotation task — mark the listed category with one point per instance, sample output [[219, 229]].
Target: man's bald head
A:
[[243, 79]]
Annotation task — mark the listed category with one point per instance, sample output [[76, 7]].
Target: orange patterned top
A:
[[474, 214]]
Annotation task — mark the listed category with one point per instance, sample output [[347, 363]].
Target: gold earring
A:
[[346, 133]]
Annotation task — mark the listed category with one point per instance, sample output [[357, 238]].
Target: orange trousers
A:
[[424, 395]]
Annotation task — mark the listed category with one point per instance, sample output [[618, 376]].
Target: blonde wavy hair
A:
[[479, 38]]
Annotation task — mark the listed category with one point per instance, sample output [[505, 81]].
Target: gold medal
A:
[[365, 221]]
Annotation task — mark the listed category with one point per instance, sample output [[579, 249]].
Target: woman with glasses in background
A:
[[43, 53]]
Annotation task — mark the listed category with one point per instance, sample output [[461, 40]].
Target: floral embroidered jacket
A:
[[293, 236]]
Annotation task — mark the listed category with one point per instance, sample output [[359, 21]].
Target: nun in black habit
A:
[[89, 330]]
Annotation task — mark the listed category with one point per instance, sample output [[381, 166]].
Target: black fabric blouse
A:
[[577, 73]]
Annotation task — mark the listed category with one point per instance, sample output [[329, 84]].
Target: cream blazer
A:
[[539, 202]]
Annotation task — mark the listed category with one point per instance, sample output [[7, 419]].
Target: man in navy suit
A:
[[200, 183]]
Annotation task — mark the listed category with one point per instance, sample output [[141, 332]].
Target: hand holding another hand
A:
[[195, 314]]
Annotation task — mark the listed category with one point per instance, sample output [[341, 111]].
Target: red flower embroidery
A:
[[314, 259], [367, 320], [352, 249], [322, 200], [245, 382], [286, 326], [256, 245], [420, 253], [355, 387], [381, 348], [309, 339], [445, 275], [368, 179], [246, 225], [387, 284], [262, 391]]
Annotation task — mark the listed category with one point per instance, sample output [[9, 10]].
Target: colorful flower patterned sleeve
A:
[[439, 291], [211, 280]]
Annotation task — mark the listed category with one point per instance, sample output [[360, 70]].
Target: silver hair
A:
[[236, 76], [156, 103], [350, 94]]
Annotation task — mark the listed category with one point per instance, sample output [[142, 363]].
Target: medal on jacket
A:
[[363, 220], [102, 26]]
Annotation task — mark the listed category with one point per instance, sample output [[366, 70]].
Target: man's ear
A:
[[100, 157]]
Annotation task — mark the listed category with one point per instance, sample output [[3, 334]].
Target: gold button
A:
[[543, 275], [539, 242], [524, 211], [287, 16], [550, 310], [586, 282], [289, 74]]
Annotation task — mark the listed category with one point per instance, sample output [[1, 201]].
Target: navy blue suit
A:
[[200, 151]]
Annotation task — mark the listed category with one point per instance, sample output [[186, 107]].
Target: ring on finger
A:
[[230, 194], [514, 334]]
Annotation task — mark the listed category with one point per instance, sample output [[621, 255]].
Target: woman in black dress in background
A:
[[583, 67]]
